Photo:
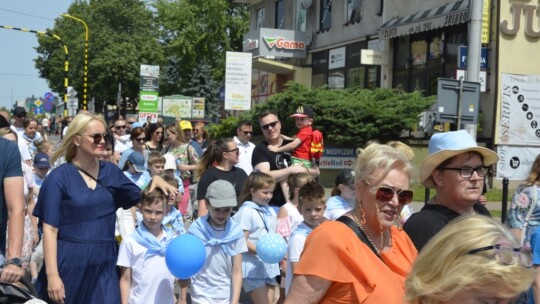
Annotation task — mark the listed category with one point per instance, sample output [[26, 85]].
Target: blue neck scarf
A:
[[264, 211], [338, 202], [149, 241], [201, 228], [302, 229], [174, 221]]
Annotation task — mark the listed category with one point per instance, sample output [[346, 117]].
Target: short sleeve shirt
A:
[[305, 135], [10, 166]]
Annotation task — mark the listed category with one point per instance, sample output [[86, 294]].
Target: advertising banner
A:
[[515, 162], [149, 80], [520, 110], [238, 81], [337, 158], [198, 107], [148, 102]]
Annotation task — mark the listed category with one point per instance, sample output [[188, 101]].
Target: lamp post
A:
[[85, 78], [11, 88]]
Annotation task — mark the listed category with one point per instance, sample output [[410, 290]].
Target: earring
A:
[[362, 216], [399, 222]]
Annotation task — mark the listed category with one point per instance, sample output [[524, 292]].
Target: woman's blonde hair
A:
[[444, 268], [256, 180], [67, 148], [380, 159], [404, 148]]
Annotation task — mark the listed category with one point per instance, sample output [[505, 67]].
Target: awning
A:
[[272, 66], [446, 15]]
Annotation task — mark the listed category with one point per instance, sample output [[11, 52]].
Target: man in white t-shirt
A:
[[121, 139], [244, 131], [19, 114]]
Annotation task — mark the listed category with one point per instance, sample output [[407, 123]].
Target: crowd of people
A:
[[90, 219]]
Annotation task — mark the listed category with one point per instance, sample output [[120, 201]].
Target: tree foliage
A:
[[351, 116]]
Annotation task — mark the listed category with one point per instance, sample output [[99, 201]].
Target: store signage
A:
[[530, 12], [251, 44], [282, 43], [374, 57], [336, 58], [462, 58]]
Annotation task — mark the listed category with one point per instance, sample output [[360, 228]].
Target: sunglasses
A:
[[246, 133], [97, 137], [139, 139], [233, 150], [269, 125], [507, 255], [385, 194], [120, 127]]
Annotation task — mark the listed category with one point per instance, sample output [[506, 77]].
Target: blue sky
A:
[[17, 53]]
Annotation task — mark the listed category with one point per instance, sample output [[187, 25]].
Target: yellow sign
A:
[[486, 9]]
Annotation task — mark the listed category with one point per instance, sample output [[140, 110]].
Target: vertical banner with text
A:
[[149, 92], [238, 81]]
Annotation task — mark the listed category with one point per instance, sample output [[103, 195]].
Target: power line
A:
[[25, 14], [20, 75]]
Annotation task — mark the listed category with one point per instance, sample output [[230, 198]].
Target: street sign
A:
[[462, 58], [449, 101]]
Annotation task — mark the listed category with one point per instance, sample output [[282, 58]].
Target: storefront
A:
[[341, 67], [426, 45]]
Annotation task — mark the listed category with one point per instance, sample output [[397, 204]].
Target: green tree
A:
[[122, 36], [351, 116]]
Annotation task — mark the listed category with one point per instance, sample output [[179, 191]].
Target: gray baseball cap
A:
[[221, 194]]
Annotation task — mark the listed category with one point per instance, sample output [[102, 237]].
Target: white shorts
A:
[[205, 300]]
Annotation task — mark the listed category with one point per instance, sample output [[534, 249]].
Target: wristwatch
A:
[[14, 261]]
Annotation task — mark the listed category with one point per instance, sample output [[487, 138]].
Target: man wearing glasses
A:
[[278, 165], [244, 131], [129, 123], [121, 139], [455, 168]]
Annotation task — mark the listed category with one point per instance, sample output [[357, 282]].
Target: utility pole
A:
[[474, 49]]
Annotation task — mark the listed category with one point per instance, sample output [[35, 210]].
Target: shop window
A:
[[301, 18], [260, 18], [418, 52], [353, 10], [318, 80], [280, 14], [373, 77], [356, 77], [325, 16], [336, 79]]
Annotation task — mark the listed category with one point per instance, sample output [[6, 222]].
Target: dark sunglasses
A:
[[385, 194], [139, 139], [233, 150], [120, 127], [246, 133], [269, 125], [97, 137]]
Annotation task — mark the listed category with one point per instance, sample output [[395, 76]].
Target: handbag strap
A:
[[359, 233], [89, 175]]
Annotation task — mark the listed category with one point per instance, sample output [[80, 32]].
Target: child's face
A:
[[153, 215], [168, 172], [347, 193], [262, 196], [107, 153], [219, 216], [41, 172], [156, 169], [303, 122], [312, 213]]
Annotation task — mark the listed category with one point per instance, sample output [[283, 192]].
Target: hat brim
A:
[[222, 203], [431, 162], [139, 169], [300, 115], [42, 166]]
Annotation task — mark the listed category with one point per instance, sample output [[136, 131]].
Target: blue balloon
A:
[[271, 248], [185, 256]]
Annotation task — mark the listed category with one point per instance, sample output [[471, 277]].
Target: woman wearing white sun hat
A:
[[455, 168]]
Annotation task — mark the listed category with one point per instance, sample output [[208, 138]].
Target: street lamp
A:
[[11, 88], [85, 78]]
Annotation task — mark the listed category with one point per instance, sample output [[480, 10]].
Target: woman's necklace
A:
[[377, 250]]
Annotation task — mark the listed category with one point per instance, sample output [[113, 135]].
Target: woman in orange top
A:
[[336, 265]]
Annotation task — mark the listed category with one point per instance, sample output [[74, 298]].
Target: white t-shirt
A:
[[246, 150], [21, 142], [214, 279], [336, 206], [295, 217], [296, 246], [151, 281]]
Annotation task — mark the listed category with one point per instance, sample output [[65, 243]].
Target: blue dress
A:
[[85, 218]]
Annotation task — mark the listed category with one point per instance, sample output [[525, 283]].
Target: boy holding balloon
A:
[[143, 272], [220, 279], [311, 204]]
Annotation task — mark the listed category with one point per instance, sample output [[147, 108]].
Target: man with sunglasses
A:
[[278, 165], [121, 139], [455, 168], [244, 131], [19, 113]]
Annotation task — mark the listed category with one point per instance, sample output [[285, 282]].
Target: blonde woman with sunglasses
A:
[[366, 257], [474, 259]]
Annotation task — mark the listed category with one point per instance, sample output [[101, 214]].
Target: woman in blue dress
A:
[[77, 205]]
